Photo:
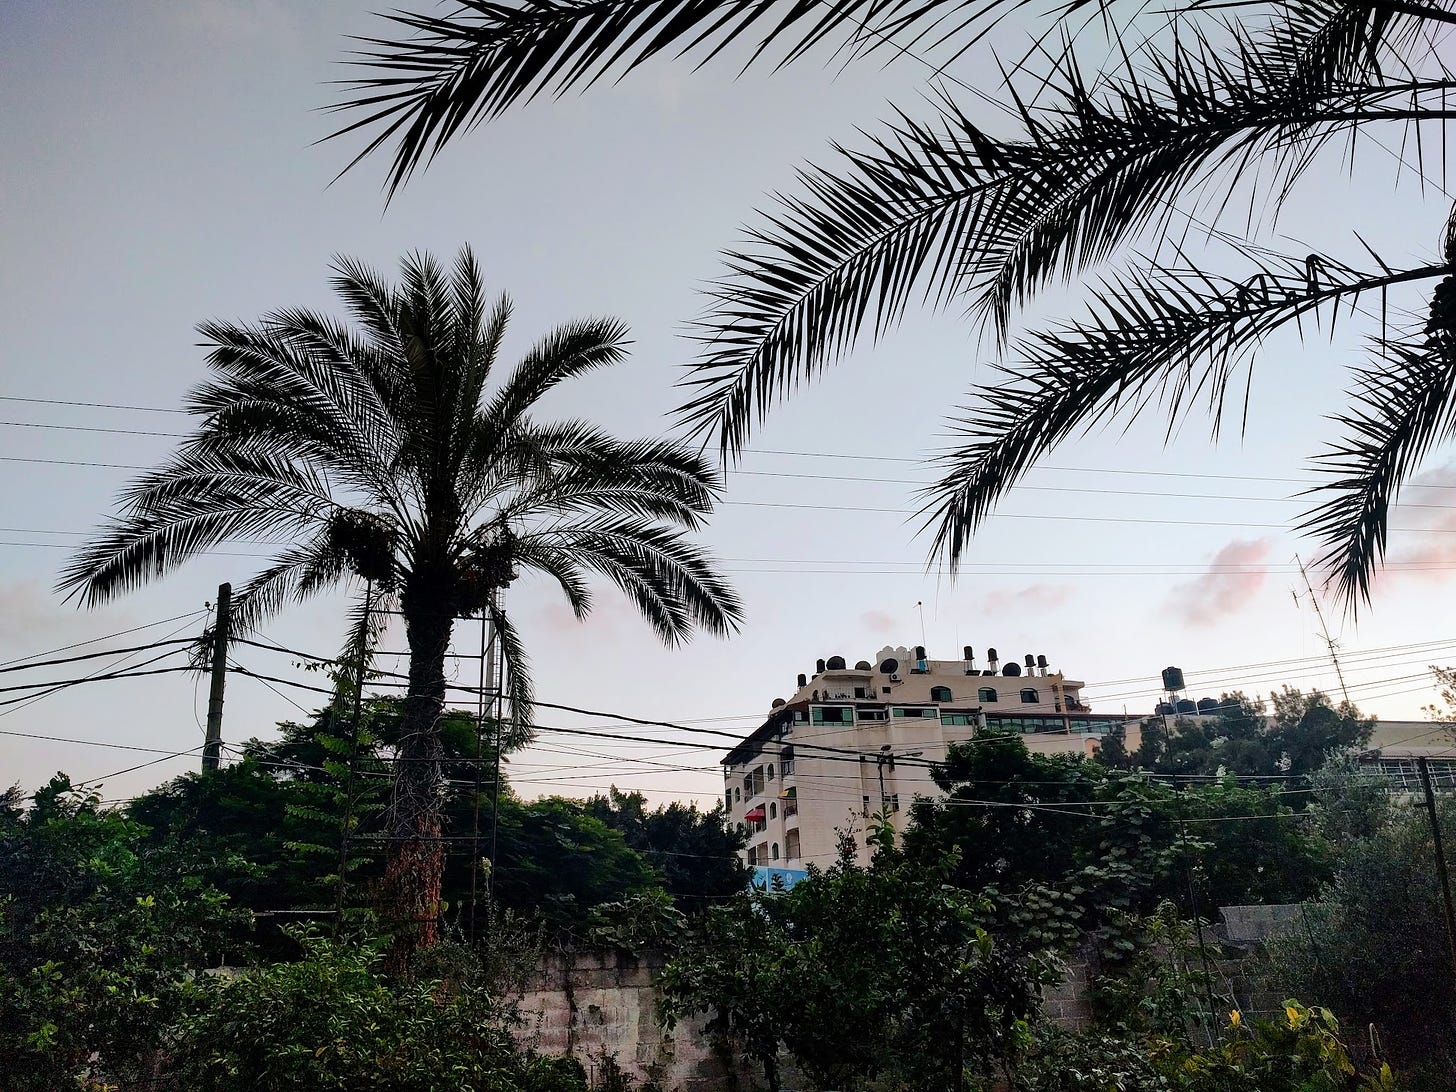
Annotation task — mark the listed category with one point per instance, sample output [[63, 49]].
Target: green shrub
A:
[[332, 1021]]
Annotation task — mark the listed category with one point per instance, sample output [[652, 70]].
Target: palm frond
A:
[[950, 213], [196, 501], [1162, 337], [520, 688], [570, 350], [447, 74], [278, 391], [563, 568], [572, 467], [1402, 407], [875, 231], [295, 575], [671, 581]]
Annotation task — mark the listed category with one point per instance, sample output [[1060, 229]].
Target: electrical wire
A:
[[106, 637]]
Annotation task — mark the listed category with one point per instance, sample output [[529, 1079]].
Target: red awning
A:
[[754, 814]]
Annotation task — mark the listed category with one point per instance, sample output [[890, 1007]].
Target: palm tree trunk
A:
[[411, 888]]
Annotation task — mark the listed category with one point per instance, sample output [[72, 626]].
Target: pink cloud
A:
[[878, 622], [1031, 597], [1232, 581]]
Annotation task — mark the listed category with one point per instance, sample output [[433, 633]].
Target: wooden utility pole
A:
[[212, 747], [1440, 856]]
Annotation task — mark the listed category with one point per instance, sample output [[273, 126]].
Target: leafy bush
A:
[[1298, 1052], [332, 1021], [100, 933], [1374, 947]]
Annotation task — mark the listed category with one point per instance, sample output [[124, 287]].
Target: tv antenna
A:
[[1330, 642]]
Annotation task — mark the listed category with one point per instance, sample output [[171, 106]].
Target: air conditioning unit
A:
[[895, 677]]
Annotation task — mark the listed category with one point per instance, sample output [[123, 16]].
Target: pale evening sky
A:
[[158, 169]]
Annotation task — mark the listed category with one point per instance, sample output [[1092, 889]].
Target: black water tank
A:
[[836, 663], [1172, 678], [1012, 669]]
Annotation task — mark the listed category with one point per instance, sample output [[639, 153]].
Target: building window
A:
[[756, 781], [912, 713], [786, 767], [866, 805], [895, 801], [762, 852], [940, 693], [773, 810], [791, 807], [961, 720], [861, 692], [1029, 696], [770, 771], [832, 714], [775, 851], [752, 857], [791, 845], [728, 801], [748, 784], [986, 693], [884, 690], [737, 795]]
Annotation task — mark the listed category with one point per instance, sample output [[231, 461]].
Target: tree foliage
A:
[[100, 931], [861, 974], [391, 451], [1374, 946], [1291, 736]]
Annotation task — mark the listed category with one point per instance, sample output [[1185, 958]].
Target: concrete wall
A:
[[591, 1005], [595, 1005]]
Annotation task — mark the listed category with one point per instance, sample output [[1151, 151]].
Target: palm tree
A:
[[387, 453], [1094, 163]]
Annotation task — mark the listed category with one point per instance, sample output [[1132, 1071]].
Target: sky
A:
[[162, 167]]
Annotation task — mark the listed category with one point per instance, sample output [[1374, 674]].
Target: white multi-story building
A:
[[854, 741]]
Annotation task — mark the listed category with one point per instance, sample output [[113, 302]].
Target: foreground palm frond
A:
[[1225, 101], [949, 213], [1155, 339], [449, 73]]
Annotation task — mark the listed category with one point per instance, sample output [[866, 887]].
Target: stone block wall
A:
[[599, 1005]]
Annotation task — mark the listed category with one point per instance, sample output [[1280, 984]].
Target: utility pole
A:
[[212, 746], [1440, 856]]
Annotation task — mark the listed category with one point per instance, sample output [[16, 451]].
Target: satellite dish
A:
[[1012, 669], [835, 663], [890, 666], [778, 703], [863, 665]]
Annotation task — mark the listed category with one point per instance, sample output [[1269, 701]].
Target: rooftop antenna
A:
[[920, 606], [1324, 629]]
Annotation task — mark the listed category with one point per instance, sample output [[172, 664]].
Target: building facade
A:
[[856, 741]]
